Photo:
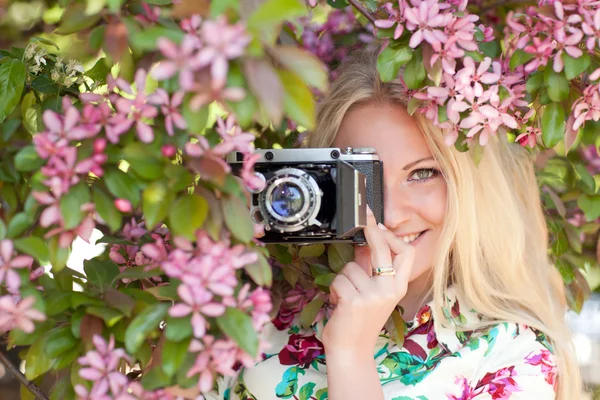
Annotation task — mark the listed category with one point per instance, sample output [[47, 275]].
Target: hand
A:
[[363, 302]]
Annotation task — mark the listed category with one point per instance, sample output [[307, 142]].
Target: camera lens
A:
[[287, 199], [269, 155]]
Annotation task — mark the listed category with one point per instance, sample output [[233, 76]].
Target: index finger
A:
[[380, 250]]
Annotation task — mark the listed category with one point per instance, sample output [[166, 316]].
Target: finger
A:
[[380, 250], [357, 276], [342, 289], [405, 255]]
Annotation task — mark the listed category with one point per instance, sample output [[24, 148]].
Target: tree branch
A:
[[356, 4], [32, 387]]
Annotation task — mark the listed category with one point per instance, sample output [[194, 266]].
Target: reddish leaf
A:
[[266, 86], [115, 40]]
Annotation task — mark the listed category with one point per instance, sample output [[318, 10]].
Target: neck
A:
[[417, 295]]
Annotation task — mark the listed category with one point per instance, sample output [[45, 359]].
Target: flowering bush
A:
[[116, 115]]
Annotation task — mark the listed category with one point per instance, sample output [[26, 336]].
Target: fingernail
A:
[[382, 227], [369, 212]]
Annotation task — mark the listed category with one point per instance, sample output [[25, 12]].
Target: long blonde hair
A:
[[493, 247]]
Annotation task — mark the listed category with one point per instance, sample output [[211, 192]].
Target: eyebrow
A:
[[412, 164]]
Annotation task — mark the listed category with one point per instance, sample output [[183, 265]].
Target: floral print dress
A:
[[501, 361]]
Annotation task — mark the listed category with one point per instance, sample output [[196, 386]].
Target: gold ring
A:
[[384, 271]]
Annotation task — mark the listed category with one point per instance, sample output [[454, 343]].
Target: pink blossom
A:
[[67, 126], [123, 205], [221, 42], [488, 33], [541, 50], [252, 181], [233, 137], [192, 24], [529, 137], [180, 59], [134, 230], [587, 107], [568, 45], [591, 27], [198, 302], [168, 150], [51, 215], [150, 15], [396, 18], [100, 365], [461, 31], [258, 303], [169, 108], [138, 110], [206, 94], [425, 18], [18, 314], [8, 264], [98, 392], [469, 77]]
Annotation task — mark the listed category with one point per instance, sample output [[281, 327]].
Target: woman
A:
[[463, 251]]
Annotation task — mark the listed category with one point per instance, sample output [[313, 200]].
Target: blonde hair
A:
[[493, 247]]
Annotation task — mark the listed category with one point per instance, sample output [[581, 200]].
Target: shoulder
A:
[[518, 361]]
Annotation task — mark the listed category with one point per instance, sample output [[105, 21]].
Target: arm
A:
[[352, 375]]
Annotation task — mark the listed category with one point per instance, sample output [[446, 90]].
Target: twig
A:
[[356, 4], [32, 387]]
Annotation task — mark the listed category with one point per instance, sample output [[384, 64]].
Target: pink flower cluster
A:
[[202, 56], [101, 367], [478, 97], [547, 362], [18, 313], [587, 107], [207, 273]]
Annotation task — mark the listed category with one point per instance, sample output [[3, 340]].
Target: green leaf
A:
[[107, 210], [196, 120], [173, 354], [187, 214], [144, 323], [238, 326], [391, 60], [96, 38], [414, 73], [237, 218], [586, 178], [339, 254], [274, 12], [298, 101], [12, 82], [575, 66], [590, 205], [307, 390], [34, 246], [558, 86], [519, 57], [155, 379], [100, 273], [99, 72], [144, 162], [138, 272], [145, 39], [178, 329], [44, 84], [325, 280], [110, 316], [553, 124], [122, 185], [310, 311], [27, 159], [305, 65], [44, 41], [37, 362], [219, 7], [57, 302], [75, 19], [535, 82], [156, 201], [18, 224], [59, 341], [9, 127], [70, 205], [2, 230], [313, 250], [260, 271]]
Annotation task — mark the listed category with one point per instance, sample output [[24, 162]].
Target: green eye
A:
[[424, 174]]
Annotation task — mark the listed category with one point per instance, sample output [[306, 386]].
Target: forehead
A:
[[387, 128]]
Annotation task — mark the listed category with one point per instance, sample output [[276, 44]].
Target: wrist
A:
[[343, 354]]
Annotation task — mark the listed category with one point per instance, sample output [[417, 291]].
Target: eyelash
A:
[[434, 173]]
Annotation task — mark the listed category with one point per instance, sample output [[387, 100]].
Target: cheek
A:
[[432, 206]]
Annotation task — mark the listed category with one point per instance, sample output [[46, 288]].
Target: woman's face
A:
[[414, 189]]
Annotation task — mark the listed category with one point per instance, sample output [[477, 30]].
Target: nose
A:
[[397, 208]]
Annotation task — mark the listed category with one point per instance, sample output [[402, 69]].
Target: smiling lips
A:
[[413, 237]]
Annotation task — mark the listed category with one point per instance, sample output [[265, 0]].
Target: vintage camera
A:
[[315, 194]]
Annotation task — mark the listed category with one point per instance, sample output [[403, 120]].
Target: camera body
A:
[[315, 195]]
